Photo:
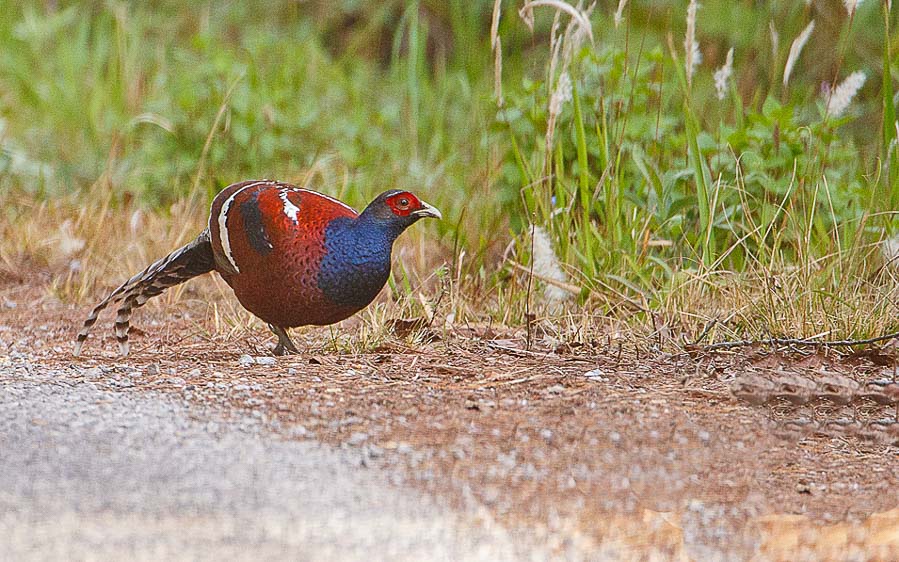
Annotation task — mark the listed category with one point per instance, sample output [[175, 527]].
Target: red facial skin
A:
[[402, 204]]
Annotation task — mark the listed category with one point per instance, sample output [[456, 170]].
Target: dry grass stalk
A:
[[562, 49], [527, 14], [692, 56], [851, 6], [796, 50], [497, 45], [619, 13], [775, 40]]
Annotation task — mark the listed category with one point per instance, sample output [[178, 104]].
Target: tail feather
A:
[[185, 263]]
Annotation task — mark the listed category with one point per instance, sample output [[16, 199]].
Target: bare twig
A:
[[705, 331], [795, 342]]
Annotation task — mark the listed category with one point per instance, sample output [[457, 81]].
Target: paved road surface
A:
[[94, 474]]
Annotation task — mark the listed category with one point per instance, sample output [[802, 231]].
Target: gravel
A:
[[98, 470]]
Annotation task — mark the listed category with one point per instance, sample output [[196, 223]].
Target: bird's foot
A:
[[285, 346]]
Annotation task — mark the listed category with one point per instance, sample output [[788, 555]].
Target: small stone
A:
[[555, 389], [546, 434], [10, 304], [265, 360], [594, 374], [291, 371], [615, 437], [298, 431], [704, 436], [357, 438], [245, 360]]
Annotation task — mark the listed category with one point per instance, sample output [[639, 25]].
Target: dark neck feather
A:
[[357, 262]]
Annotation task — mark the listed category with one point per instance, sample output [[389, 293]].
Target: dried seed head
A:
[[561, 94], [619, 13], [851, 6], [546, 265], [775, 40], [842, 95], [691, 47], [722, 75], [796, 50]]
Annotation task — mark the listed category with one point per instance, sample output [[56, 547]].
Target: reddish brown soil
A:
[[627, 451]]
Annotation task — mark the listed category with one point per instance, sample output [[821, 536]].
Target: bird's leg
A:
[[285, 346]]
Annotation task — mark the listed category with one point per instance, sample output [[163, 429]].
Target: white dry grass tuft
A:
[[619, 13], [691, 47], [796, 50], [842, 95], [546, 266], [851, 6], [67, 243], [890, 250], [561, 95], [723, 74]]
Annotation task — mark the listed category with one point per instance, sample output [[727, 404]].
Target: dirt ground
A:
[[627, 452]]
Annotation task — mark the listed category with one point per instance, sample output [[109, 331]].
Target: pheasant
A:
[[292, 256]]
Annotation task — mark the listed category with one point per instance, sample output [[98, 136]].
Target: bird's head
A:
[[398, 209]]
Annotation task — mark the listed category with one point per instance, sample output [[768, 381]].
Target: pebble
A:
[[245, 360], [265, 360], [298, 431], [357, 438]]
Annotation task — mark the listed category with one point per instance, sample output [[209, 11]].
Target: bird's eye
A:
[[403, 203]]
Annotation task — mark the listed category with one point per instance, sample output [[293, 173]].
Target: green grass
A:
[[665, 204]]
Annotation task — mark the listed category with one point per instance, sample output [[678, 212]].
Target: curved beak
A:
[[427, 211]]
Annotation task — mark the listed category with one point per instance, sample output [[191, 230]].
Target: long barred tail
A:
[[184, 263]]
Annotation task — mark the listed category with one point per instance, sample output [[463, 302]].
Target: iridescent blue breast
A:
[[356, 263]]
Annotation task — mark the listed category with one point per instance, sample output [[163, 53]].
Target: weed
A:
[[670, 193]]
